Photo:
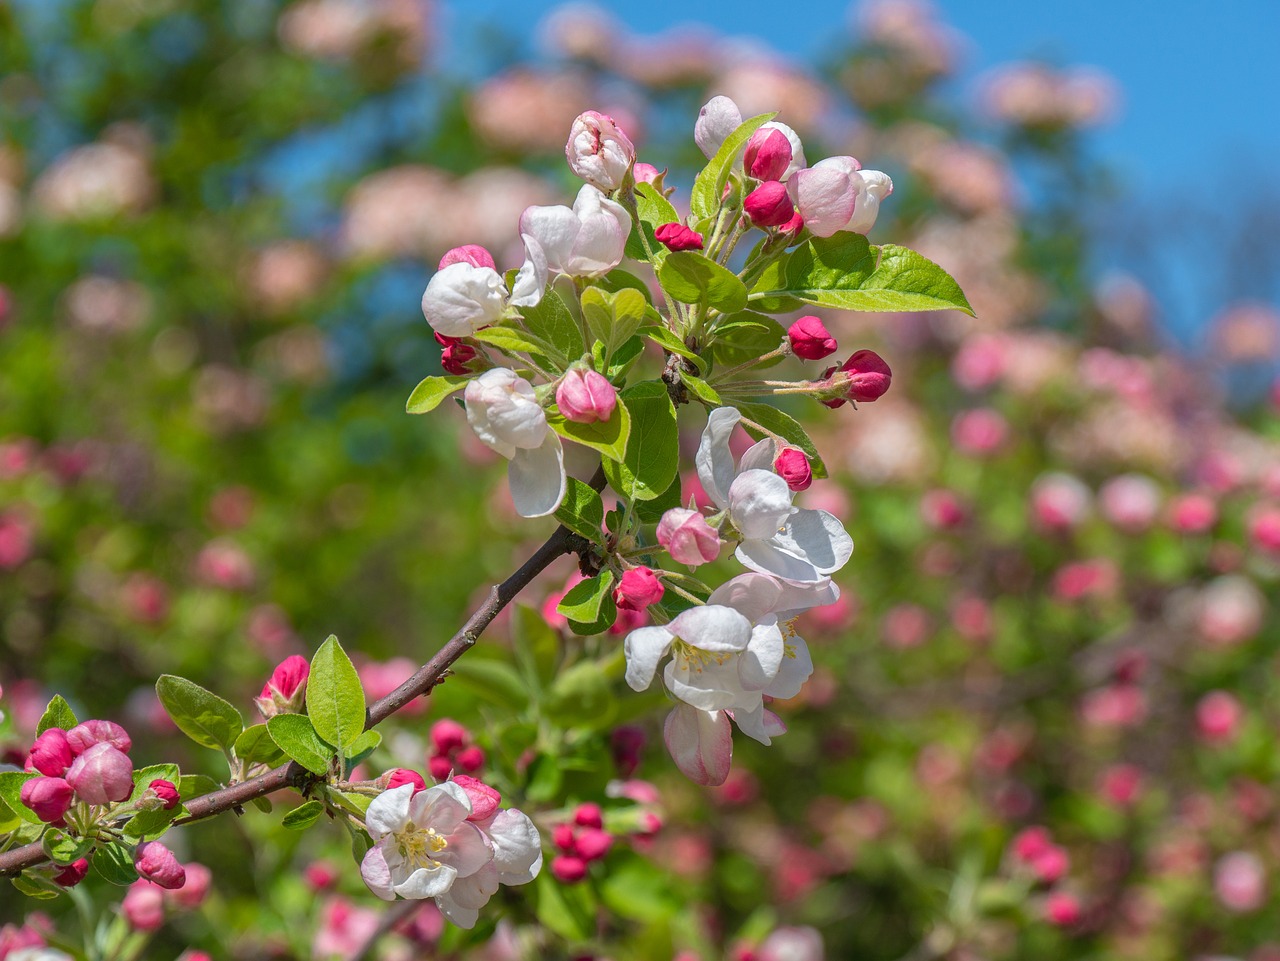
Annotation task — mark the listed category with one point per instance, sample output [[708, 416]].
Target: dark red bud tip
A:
[[678, 237]]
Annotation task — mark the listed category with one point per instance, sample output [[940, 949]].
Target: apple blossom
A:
[[286, 690], [599, 151], [676, 236], [796, 544], [49, 797], [467, 293], [720, 117], [101, 775], [84, 735], [51, 753], [585, 396], [863, 378], [837, 194], [585, 241], [401, 776], [688, 537], [767, 154], [422, 841], [503, 410], [637, 589], [810, 339], [517, 859], [157, 864], [792, 466], [165, 792], [769, 205]]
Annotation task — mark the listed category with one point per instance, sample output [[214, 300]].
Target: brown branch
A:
[[561, 542]]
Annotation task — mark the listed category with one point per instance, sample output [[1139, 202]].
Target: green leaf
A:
[[583, 600], [150, 825], [673, 344], [64, 848], [624, 357], [691, 278], [143, 777], [362, 747], [201, 715], [602, 622], [552, 321], [582, 511], [114, 864], [701, 389], [613, 317], [36, 887], [652, 458], [57, 714], [618, 279], [9, 820], [255, 746], [639, 891], [295, 736], [536, 645], [335, 699], [609, 437], [759, 420], [495, 681], [192, 786], [650, 512], [845, 271], [654, 210], [708, 186], [568, 910], [431, 392], [745, 336], [774, 278], [303, 816], [513, 340]]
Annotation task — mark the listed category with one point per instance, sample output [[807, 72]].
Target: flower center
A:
[[418, 846], [690, 658]]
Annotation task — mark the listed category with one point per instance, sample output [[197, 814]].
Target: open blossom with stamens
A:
[[789, 542], [422, 842], [503, 410], [467, 293], [837, 194]]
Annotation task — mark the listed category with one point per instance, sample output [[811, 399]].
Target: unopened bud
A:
[[455, 355], [401, 776], [166, 792], [472, 254], [769, 205], [676, 236], [143, 906], [49, 797], [470, 759], [51, 753], [865, 377], [568, 869], [101, 775], [767, 155], [1062, 909], [793, 467], [810, 339], [448, 735], [72, 874], [84, 736], [439, 766], [585, 396], [484, 799], [593, 843], [157, 864], [286, 690], [188, 897], [588, 816], [687, 537], [599, 151], [638, 588]]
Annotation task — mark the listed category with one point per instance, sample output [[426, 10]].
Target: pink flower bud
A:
[[472, 254], [470, 759], [101, 775], [143, 906], [648, 174], [51, 753], [598, 151], [678, 237], [194, 890], [49, 797], [638, 589], [1059, 501], [156, 863], [1264, 530], [320, 875], [865, 377], [942, 509], [769, 205], [564, 837], [1193, 513], [1062, 909], [767, 155], [593, 843], [1218, 716], [1030, 843], [84, 736], [979, 432], [793, 467], [286, 690], [72, 874], [456, 355], [568, 869], [688, 537], [585, 396], [588, 816], [1121, 785], [167, 792], [439, 766], [1051, 864], [810, 339], [484, 799], [401, 776]]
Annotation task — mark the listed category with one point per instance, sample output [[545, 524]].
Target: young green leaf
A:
[[582, 511], [295, 736], [303, 816], [431, 392], [513, 340], [583, 601], [335, 699], [613, 317], [11, 792], [57, 714], [150, 825], [673, 344], [63, 848], [113, 863], [701, 390], [362, 747], [551, 321], [691, 278], [652, 458], [143, 777], [495, 681], [609, 437], [745, 336], [255, 746], [199, 714], [709, 184]]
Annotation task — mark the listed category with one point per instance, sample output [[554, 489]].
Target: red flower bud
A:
[[439, 766], [810, 339], [456, 355], [72, 874], [767, 155], [448, 735], [589, 816], [286, 690], [51, 753], [470, 759], [865, 375], [143, 906], [84, 736], [638, 589], [194, 890], [793, 467], [593, 843], [678, 237], [101, 775], [156, 863], [568, 869], [484, 799], [472, 254], [769, 205], [49, 797], [1062, 909], [166, 792], [585, 396], [564, 837], [401, 776]]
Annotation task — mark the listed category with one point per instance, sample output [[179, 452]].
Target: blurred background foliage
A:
[[216, 219]]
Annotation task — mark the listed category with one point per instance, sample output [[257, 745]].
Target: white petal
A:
[[644, 648], [762, 658], [602, 235], [794, 670], [537, 478], [468, 850], [759, 456], [700, 742], [517, 847], [442, 807], [451, 909], [874, 187], [721, 630], [462, 298], [759, 504], [554, 229], [714, 460], [377, 873], [765, 557], [426, 882], [718, 118], [759, 724], [389, 811], [797, 148], [797, 598], [817, 536], [709, 686], [826, 197], [531, 280], [752, 595], [472, 893]]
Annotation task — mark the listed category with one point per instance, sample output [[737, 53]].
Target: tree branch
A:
[[561, 542]]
